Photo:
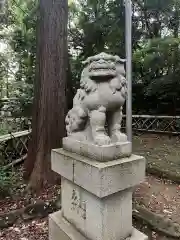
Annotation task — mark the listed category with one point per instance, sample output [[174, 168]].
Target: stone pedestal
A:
[[96, 197]]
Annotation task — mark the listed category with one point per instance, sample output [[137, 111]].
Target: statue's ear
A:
[[119, 60], [84, 62], [87, 61], [121, 68], [84, 74]]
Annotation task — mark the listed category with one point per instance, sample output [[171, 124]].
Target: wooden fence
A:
[[12, 124], [14, 146], [155, 124]]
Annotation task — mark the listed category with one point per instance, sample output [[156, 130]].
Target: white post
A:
[[128, 40]]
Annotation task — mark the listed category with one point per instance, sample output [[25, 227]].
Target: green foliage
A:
[[8, 182], [21, 39], [99, 25], [3, 71], [157, 67], [24, 41], [3, 131]]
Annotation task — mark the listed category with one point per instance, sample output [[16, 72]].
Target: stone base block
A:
[[100, 153], [61, 229], [97, 218], [99, 178]]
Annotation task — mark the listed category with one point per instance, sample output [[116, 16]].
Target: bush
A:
[[8, 181]]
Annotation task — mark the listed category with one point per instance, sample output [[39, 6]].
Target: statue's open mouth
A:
[[102, 67], [102, 73]]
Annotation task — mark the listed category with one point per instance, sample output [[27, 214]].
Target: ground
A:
[[38, 230], [157, 194], [162, 152], [35, 230], [19, 201], [160, 196]]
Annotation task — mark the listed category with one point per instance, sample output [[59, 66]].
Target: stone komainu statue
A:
[[99, 101]]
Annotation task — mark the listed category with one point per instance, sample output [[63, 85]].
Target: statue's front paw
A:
[[102, 139], [119, 137]]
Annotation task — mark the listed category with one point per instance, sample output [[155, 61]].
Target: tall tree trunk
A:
[[69, 87], [50, 100]]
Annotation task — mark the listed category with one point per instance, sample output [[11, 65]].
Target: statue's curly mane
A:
[[90, 85]]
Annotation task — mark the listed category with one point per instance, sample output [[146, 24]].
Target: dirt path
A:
[[161, 152], [35, 230], [38, 230], [160, 196], [19, 201]]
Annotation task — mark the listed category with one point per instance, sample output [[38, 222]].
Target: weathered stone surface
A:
[[61, 163], [97, 218], [101, 179], [100, 153], [136, 235], [102, 93], [60, 228]]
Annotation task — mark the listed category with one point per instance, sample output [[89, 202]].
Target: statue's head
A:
[[104, 66]]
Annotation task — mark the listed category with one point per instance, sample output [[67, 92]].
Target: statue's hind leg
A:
[[97, 121], [115, 119]]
